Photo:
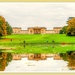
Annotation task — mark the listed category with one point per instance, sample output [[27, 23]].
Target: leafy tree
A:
[[5, 28], [3, 31], [71, 27], [9, 28], [63, 31]]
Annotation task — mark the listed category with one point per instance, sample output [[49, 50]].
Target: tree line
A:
[[5, 28]]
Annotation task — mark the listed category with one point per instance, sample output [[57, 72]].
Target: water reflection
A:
[[5, 58], [29, 56], [36, 56], [70, 57]]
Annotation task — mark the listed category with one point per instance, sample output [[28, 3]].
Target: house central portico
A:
[[36, 30]]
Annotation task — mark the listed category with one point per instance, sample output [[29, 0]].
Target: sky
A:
[[44, 14]]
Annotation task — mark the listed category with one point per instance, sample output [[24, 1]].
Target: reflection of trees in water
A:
[[2, 61], [5, 58], [70, 57], [9, 58], [63, 55]]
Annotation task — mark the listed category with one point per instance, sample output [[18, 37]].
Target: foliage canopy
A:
[[71, 27]]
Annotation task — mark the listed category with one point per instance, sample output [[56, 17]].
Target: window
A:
[[30, 31]]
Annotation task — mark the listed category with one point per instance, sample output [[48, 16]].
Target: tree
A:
[[3, 31], [9, 28], [71, 27], [63, 31]]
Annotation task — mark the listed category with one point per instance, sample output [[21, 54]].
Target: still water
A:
[[10, 62]]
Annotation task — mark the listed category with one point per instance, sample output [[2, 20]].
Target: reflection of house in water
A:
[[36, 56], [36, 30], [18, 56], [57, 57], [29, 56]]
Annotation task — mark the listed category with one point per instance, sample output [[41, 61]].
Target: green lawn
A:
[[39, 38], [41, 43]]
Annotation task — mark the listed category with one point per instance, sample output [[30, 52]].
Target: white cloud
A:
[[37, 14]]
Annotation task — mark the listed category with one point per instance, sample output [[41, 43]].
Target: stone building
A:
[[57, 29], [36, 30], [50, 32], [24, 32], [16, 30]]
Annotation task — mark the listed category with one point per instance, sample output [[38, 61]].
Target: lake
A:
[[29, 62]]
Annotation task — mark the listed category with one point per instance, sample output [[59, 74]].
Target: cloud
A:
[[37, 14]]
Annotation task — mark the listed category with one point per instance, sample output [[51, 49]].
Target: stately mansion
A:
[[36, 30]]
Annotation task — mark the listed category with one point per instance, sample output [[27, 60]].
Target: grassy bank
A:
[[38, 48], [22, 43], [38, 38]]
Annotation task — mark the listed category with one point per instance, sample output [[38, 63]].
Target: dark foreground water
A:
[[10, 62]]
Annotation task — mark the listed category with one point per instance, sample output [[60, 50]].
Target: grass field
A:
[[39, 38], [38, 43]]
